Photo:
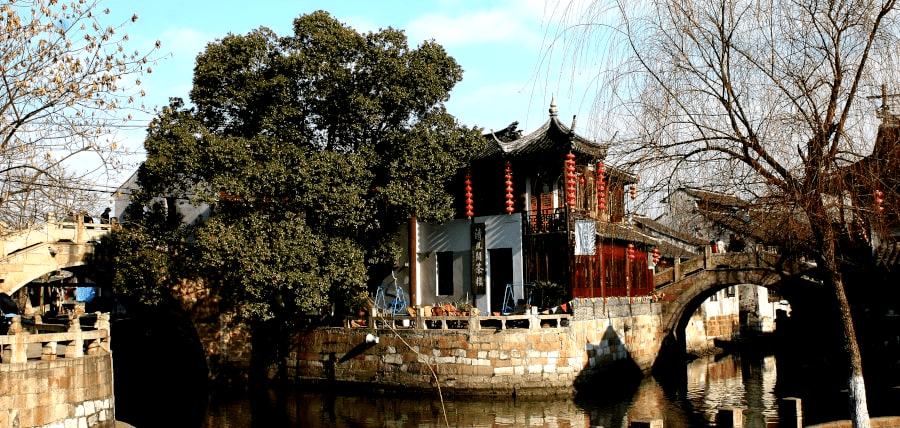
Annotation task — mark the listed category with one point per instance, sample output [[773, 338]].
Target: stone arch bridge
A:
[[27, 254], [684, 288]]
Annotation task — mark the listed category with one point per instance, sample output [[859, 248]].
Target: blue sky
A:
[[501, 45]]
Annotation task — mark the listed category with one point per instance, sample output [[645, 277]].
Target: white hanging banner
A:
[[585, 237]]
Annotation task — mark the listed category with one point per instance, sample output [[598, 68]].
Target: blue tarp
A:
[[84, 294]]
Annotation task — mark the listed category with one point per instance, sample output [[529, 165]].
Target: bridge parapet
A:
[[29, 253], [52, 231], [713, 261]]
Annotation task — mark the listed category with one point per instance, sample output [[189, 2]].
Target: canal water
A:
[[161, 381], [690, 398]]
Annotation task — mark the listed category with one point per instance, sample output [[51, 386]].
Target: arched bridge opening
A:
[[684, 297]]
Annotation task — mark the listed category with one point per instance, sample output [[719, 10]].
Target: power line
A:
[[96, 187]]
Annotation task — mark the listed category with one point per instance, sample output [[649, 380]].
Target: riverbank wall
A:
[[522, 354], [56, 379]]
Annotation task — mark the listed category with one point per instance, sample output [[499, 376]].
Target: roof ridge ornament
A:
[[553, 109]]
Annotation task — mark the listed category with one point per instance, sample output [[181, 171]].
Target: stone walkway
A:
[[882, 422]]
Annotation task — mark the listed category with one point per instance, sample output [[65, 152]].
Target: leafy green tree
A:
[[312, 150]]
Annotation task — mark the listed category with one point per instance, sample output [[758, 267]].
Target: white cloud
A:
[[508, 25]]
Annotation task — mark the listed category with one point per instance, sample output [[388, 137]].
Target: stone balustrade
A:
[[54, 376], [20, 345], [472, 323]]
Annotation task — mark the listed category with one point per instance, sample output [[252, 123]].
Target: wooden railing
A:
[[20, 345], [545, 221]]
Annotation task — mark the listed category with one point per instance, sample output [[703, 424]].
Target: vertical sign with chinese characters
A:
[[478, 259]]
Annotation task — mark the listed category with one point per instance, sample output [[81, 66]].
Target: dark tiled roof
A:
[[626, 232], [552, 136], [714, 198], [651, 224]]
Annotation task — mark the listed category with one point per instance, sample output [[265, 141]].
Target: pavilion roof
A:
[[552, 136]]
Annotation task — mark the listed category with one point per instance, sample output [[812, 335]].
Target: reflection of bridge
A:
[[27, 254]]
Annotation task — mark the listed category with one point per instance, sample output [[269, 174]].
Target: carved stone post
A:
[[790, 412], [420, 318], [75, 348], [79, 229], [18, 347], [102, 323]]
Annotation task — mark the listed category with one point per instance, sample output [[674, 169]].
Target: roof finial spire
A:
[[553, 109]]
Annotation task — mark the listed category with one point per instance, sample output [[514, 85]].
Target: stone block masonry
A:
[[548, 360], [58, 393], [57, 380]]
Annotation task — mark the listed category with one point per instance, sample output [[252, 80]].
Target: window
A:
[[445, 273], [729, 292]]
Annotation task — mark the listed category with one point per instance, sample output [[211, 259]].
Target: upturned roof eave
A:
[[552, 136]]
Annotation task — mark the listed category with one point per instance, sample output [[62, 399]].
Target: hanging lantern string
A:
[[469, 201], [601, 186], [509, 189], [570, 175]]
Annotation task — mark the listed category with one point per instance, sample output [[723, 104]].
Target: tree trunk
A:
[[859, 411]]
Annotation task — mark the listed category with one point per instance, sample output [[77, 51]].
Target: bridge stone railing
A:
[[471, 323], [19, 345], [52, 231], [29, 253], [710, 260]]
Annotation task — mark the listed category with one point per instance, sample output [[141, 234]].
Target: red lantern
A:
[[656, 255], [469, 208], [630, 251], [879, 199], [633, 191]]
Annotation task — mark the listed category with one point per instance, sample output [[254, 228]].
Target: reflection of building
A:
[[549, 209], [717, 382]]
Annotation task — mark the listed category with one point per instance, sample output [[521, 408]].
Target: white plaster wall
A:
[[122, 198], [722, 306], [501, 231]]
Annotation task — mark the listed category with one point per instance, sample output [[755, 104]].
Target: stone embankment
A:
[[58, 379], [523, 354], [882, 422]]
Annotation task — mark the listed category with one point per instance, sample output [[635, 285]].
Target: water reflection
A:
[[717, 382], [711, 383]]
